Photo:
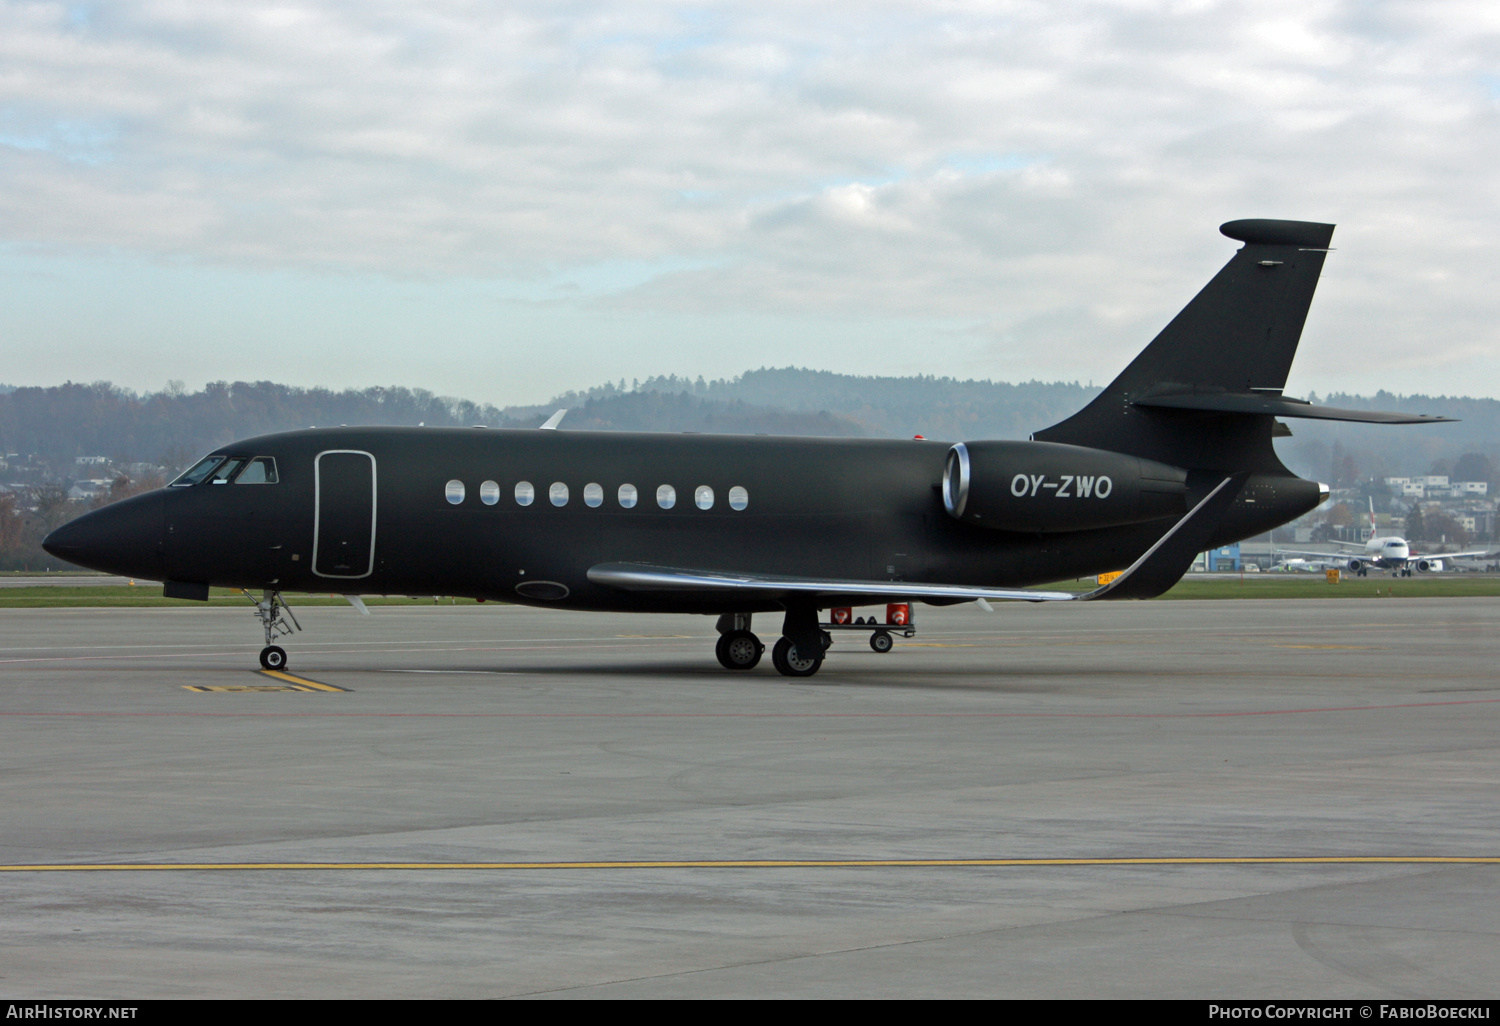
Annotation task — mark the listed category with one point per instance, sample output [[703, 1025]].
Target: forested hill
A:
[[172, 427], [879, 406]]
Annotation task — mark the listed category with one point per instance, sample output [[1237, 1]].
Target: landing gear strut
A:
[[269, 611], [799, 651]]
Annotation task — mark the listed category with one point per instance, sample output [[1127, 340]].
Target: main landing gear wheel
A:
[[881, 641], [273, 657], [827, 640], [738, 650], [790, 663]]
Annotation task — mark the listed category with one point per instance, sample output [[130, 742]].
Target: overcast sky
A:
[[506, 200]]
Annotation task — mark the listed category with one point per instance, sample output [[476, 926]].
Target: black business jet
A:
[[1173, 458]]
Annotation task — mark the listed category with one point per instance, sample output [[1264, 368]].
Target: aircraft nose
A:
[[121, 538]]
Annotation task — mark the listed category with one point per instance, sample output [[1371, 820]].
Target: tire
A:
[[827, 640], [273, 657], [789, 663], [882, 642], [738, 650]]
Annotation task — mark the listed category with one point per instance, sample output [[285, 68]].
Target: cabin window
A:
[[703, 497], [453, 491], [489, 493], [666, 496], [593, 495], [558, 494], [262, 470], [525, 494], [738, 498], [198, 471], [226, 470], [628, 496]]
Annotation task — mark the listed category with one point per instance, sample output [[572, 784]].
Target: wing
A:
[[1354, 549], [1156, 571], [644, 577], [1478, 554], [1339, 556]]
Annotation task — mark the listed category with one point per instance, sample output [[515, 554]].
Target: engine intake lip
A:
[[956, 480]]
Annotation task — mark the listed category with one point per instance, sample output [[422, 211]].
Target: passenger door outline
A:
[[318, 510]]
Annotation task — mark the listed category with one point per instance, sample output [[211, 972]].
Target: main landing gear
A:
[[739, 650], [791, 662], [804, 641], [273, 614]]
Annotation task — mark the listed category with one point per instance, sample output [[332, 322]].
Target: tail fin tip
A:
[[1266, 232]]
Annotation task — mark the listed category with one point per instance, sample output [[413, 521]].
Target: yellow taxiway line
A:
[[292, 678], [290, 682], [1249, 860]]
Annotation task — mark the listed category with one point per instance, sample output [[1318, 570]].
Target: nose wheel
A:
[[276, 618]]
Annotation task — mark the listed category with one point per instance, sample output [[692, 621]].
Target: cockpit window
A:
[[261, 470], [226, 470], [198, 471]]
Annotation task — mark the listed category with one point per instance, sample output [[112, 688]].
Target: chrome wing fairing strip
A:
[[646, 577]]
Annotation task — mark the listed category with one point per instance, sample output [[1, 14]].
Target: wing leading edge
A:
[[1156, 571]]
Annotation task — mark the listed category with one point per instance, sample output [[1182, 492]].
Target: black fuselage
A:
[[370, 511]]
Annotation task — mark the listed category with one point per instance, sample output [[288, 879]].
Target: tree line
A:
[[174, 426]]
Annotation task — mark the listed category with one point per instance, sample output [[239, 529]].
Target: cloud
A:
[[1008, 164]]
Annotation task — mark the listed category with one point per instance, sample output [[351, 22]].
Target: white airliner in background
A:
[[1390, 552], [1299, 565]]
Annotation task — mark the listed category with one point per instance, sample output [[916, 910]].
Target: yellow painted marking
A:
[[305, 684], [291, 683], [244, 687], [1251, 860], [1107, 577]]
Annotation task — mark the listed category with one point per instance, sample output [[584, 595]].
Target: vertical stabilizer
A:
[[1238, 335]]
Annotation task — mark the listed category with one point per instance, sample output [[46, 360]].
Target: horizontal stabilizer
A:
[[643, 577], [1165, 562], [1278, 406]]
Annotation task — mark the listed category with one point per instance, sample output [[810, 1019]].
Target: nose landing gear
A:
[[273, 614]]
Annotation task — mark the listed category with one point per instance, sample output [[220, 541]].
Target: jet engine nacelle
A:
[[1355, 565], [1428, 566], [1048, 486]]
